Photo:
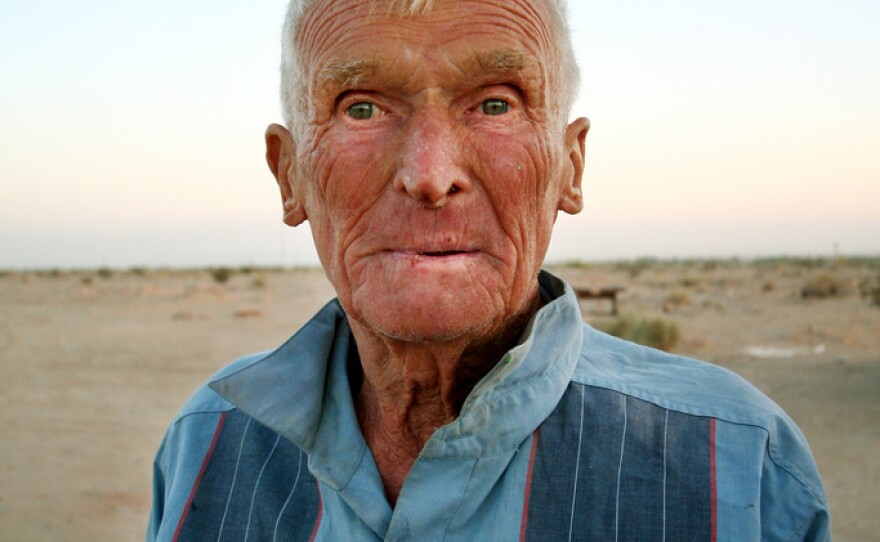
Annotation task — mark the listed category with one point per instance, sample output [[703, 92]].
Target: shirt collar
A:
[[522, 390]]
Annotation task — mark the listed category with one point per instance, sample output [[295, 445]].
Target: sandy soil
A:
[[92, 369]]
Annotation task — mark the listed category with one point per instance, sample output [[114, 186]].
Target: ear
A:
[[281, 156], [571, 199]]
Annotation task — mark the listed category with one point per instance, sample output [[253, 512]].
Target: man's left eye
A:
[[361, 110], [494, 106]]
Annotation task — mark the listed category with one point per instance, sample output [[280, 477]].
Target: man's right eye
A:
[[360, 110]]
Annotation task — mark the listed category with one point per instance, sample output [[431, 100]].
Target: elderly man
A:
[[451, 392]]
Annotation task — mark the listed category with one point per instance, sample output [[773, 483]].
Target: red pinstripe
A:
[[320, 513], [195, 486], [528, 490], [713, 482]]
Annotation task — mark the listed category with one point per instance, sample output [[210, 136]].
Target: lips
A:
[[431, 253], [441, 253]]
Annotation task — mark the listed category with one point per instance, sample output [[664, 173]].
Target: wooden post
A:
[[602, 293]]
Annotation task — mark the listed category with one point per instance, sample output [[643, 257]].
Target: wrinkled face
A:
[[432, 166]]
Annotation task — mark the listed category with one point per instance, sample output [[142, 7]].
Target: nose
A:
[[431, 163]]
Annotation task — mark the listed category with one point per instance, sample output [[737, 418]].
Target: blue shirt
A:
[[573, 435]]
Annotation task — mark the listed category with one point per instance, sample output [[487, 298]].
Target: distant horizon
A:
[[244, 268]]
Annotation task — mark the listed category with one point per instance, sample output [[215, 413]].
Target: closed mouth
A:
[[443, 253], [431, 253]]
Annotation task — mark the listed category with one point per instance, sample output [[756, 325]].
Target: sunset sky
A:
[[131, 133]]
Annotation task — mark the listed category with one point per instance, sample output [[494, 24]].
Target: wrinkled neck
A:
[[409, 389], [418, 386]]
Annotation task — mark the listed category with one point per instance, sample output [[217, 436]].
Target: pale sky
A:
[[131, 133]]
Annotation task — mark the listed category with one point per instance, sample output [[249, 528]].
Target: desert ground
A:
[[94, 364]]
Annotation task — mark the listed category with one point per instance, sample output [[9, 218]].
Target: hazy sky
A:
[[131, 133]]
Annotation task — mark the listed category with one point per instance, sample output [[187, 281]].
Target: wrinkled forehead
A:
[[346, 39]]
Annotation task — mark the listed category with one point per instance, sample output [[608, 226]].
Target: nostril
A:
[[453, 189]]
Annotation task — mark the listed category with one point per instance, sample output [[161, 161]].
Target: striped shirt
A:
[[574, 435]]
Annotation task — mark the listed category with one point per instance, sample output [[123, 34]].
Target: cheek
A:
[[347, 177], [518, 177], [345, 172]]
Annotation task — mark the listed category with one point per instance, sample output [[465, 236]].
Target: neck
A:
[[410, 389]]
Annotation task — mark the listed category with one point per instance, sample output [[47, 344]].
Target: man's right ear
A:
[[281, 156]]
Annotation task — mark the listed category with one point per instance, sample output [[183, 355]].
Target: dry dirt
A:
[[92, 369]]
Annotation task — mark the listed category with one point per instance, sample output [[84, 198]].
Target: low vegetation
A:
[[688, 282], [221, 274], [870, 290], [675, 300], [823, 286], [636, 267], [654, 332]]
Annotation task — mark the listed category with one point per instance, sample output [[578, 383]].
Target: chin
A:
[[428, 316], [421, 298]]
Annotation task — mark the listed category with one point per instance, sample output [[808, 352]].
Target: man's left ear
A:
[[571, 199]]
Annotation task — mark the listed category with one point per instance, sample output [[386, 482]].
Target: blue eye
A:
[[360, 110], [493, 106]]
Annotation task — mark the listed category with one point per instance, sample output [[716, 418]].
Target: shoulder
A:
[[670, 381], [754, 424]]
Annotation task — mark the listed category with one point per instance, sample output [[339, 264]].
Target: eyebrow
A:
[[349, 72], [346, 72], [503, 60]]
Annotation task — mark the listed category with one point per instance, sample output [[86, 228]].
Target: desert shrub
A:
[[713, 304], [138, 271], [688, 282], [874, 296], [104, 273], [677, 298], [709, 266], [822, 286], [863, 262], [258, 283], [777, 263], [653, 332], [870, 290], [221, 274], [86, 279], [636, 267], [808, 263]]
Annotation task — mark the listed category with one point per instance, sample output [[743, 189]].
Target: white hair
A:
[[293, 83]]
